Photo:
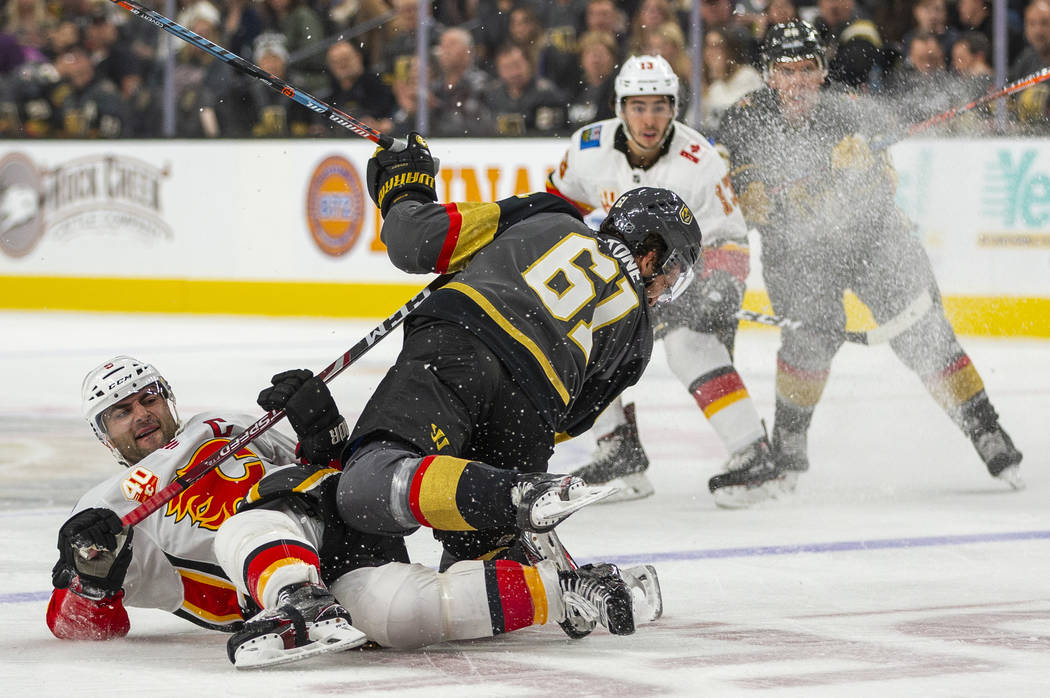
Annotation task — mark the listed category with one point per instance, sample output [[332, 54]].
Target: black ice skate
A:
[[790, 456], [620, 460], [544, 500], [1000, 455], [599, 595], [308, 621], [751, 477]]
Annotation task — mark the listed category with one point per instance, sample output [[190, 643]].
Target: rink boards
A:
[[287, 228]]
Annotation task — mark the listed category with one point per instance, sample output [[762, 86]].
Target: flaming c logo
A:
[[214, 498]]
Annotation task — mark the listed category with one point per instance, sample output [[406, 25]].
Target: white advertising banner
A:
[[298, 211]]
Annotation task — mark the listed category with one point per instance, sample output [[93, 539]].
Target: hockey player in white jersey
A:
[[169, 561], [645, 145]]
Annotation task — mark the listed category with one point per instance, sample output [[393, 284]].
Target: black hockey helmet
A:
[[794, 40], [650, 218]]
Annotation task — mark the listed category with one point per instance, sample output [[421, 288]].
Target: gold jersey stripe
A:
[[437, 494]]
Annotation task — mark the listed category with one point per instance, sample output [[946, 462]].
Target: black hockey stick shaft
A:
[[250, 69], [181, 483]]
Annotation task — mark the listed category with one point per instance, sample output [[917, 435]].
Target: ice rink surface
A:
[[898, 568]]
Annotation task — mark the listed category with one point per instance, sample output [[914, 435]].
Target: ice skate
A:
[[790, 456], [599, 595], [645, 590], [544, 500], [751, 477], [308, 621], [999, 454], [620, 460]]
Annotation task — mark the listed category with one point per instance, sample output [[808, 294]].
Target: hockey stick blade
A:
[[179, 484]]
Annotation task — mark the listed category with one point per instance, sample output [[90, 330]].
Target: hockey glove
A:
[[94, 546], [399, 176], [312, 412], [720, 296], [754, 204]]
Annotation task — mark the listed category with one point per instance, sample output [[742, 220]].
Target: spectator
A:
[[25, 105], [931, 17], [85, 105], [593, 100], [406, 95], [1036, 53], [971, 55], [459, 88], [605, 16], [209, 94], [304, 31], [668, 42], [976, 15], [357, 92], [345, 14], [729, 77], [718, 14], [113, 60], [241, 24], [492, 31], [400, 44], [526, 32], [651, 14], [274, 115], [521, 103], [28, 21], [559, 59], [776, 12], [924, 88], [840, 23]]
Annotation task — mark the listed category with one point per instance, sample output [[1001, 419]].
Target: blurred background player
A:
[[166, 561], [543, 325], [824, 205], [645, 145]]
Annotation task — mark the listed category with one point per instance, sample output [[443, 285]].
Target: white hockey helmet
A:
[[643, 76], [111, 382]]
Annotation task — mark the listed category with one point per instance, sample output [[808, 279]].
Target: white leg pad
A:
[[691, 354], [409, 606], [239, 535]]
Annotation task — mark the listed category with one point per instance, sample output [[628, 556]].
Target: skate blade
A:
[[645, 590], [557, 510], [1011, 475], [742, 497], [327, 636], [633, 486]]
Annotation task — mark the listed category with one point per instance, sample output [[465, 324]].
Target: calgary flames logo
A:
[[214, 498]]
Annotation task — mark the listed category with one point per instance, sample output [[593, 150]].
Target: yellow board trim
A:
[[981, 316], [990, 316]]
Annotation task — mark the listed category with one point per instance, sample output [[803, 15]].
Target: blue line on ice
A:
[[758, 551]]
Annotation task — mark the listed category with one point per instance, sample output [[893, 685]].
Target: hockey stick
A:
[[883, 144], [881, 334], [179, 484], [1016, 86], [250, 69]]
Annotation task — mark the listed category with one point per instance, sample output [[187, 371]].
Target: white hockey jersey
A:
[[173, 566], [595, 172]]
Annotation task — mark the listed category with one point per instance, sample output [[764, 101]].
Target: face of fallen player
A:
[[140, 423], [797, 84], [647, 119]]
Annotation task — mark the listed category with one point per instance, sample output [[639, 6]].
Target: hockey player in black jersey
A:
[[544, 322], [823, 201]]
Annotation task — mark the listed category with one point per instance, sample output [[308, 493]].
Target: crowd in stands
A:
[[88, 68]]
